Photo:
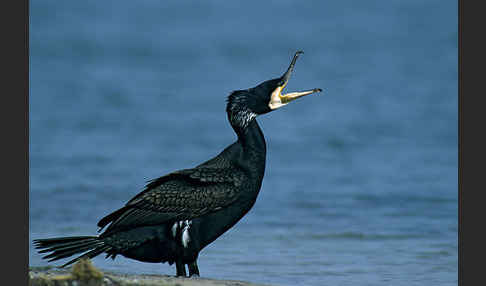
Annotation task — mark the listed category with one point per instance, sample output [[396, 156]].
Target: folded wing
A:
[[180, 195]]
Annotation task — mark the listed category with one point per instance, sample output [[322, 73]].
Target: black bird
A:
[[178, 214]]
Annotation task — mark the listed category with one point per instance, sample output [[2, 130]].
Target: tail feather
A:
[[60, 240], [95, 252], [56, 255], [63, 247], [67, 246]]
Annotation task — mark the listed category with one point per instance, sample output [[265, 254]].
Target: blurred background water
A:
[[361, 180]]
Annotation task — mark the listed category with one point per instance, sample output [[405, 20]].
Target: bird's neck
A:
[[251, 138], [251, 141], [253, 149]]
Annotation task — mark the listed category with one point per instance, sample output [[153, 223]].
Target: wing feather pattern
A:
[[180, 195]]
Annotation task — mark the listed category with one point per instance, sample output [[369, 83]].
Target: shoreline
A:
[[84, 273]]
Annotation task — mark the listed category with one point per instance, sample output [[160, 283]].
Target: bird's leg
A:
[[180, 268], [193, 269]]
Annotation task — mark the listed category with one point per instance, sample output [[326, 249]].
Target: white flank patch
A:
[[185, 233]]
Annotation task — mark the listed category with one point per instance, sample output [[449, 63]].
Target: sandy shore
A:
[[84, 273]]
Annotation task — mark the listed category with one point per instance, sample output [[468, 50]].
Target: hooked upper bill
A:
[[278, 99]]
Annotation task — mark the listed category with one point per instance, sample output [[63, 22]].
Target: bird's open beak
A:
[[278, 99]]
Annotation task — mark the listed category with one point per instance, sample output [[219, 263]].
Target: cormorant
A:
[[178, 214]]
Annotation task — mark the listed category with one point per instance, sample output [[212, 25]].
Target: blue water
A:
[[361, 180]]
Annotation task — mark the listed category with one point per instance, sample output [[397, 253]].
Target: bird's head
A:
[[244, 105]]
